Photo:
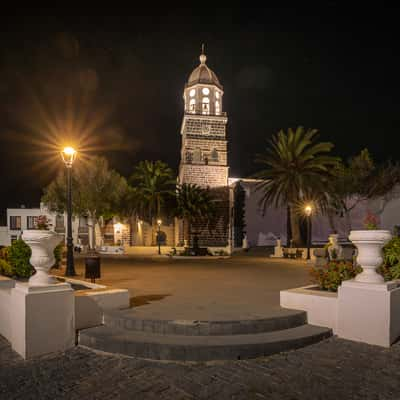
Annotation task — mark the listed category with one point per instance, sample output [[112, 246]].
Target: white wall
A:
[[260, 227]]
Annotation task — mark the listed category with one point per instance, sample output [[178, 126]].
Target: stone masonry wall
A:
[[204, 175]]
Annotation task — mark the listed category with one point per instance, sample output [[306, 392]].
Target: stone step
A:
[[281, 319], [200, 348]]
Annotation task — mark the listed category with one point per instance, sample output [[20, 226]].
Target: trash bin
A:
[[92, 267]]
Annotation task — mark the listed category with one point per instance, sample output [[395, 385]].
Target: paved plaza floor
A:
[[330, 370], [242, 287]]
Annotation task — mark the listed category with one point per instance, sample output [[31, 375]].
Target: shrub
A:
[[333, 274], [58, 253], [4, 253], [18, 256], [6, 268], [390, 268]]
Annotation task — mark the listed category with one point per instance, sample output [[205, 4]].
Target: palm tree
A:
[[153, 183], [193, 205], [297, 168]]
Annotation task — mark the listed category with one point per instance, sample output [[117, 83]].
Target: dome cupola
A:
[[203, 91], [203, 75]]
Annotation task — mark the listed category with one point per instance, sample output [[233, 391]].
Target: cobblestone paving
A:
[[333, 369]]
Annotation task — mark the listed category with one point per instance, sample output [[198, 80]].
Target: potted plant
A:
[[369, 243], [42, 242]]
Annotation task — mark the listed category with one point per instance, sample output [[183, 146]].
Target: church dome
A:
[[203, 75]]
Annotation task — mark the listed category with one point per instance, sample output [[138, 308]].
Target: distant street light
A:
[[68, 155], [159, 222], [308, 210]]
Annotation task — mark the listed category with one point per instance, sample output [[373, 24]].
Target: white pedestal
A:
[[369, 312], [43, 319]]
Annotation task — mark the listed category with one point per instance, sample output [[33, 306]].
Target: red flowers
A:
[[371, 221], [42, 222]]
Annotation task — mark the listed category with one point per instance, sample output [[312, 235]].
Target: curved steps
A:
[[282, 319], [200, 348], [202, 340]]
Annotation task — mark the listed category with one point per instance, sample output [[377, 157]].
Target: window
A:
[[189, 157], [192, 93], [206, 106], [31, 222], [192, 105], [206, 91], [214, 155], [217, 95], [197, 155], [15, 223], [217, 107]]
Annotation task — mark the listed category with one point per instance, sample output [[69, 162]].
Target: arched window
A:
[[192, 105], [206, 91], [214, 155], [206, 105], [192, 93], [217, 107], [217, 95]]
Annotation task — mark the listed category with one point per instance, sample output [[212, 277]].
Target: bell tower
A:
[[204, 160], [204, 157]]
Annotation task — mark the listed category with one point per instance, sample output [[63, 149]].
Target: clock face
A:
[[205, 128]]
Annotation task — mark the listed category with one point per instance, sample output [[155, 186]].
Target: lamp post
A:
[[159, 222], [308, 211], [68, 155]]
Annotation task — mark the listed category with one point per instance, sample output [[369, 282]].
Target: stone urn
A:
[[369, 244], [42, 244], [334, 246]]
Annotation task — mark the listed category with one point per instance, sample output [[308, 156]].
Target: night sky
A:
[[114, 84]]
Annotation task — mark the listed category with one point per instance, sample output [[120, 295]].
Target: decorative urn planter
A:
[[42, 244], [369, 244], [334, 246]]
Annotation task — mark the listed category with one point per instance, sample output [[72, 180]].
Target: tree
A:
[[154, 185], [193, 205], [96, 191], [296, 167], [359, 180]]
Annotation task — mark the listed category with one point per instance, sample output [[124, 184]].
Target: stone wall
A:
[[204, 175]]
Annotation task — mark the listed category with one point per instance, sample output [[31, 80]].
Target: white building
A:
[[20, 219]]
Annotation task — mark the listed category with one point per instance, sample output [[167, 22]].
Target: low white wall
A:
[[321, 306], [90, 305], [6, 285]]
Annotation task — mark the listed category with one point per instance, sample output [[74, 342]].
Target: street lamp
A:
[[308, 210], [159, 222], [68, 155]]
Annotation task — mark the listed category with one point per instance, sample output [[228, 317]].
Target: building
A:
[[22, 218], [204, 154]]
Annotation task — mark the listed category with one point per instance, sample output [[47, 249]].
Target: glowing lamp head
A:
[[308, 210], [68, 155], [159, 222]]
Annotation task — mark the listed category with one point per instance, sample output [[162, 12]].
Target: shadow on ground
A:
[[138, 301]]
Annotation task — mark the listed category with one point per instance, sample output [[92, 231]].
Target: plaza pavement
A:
[[332, 369], [242, 287]]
